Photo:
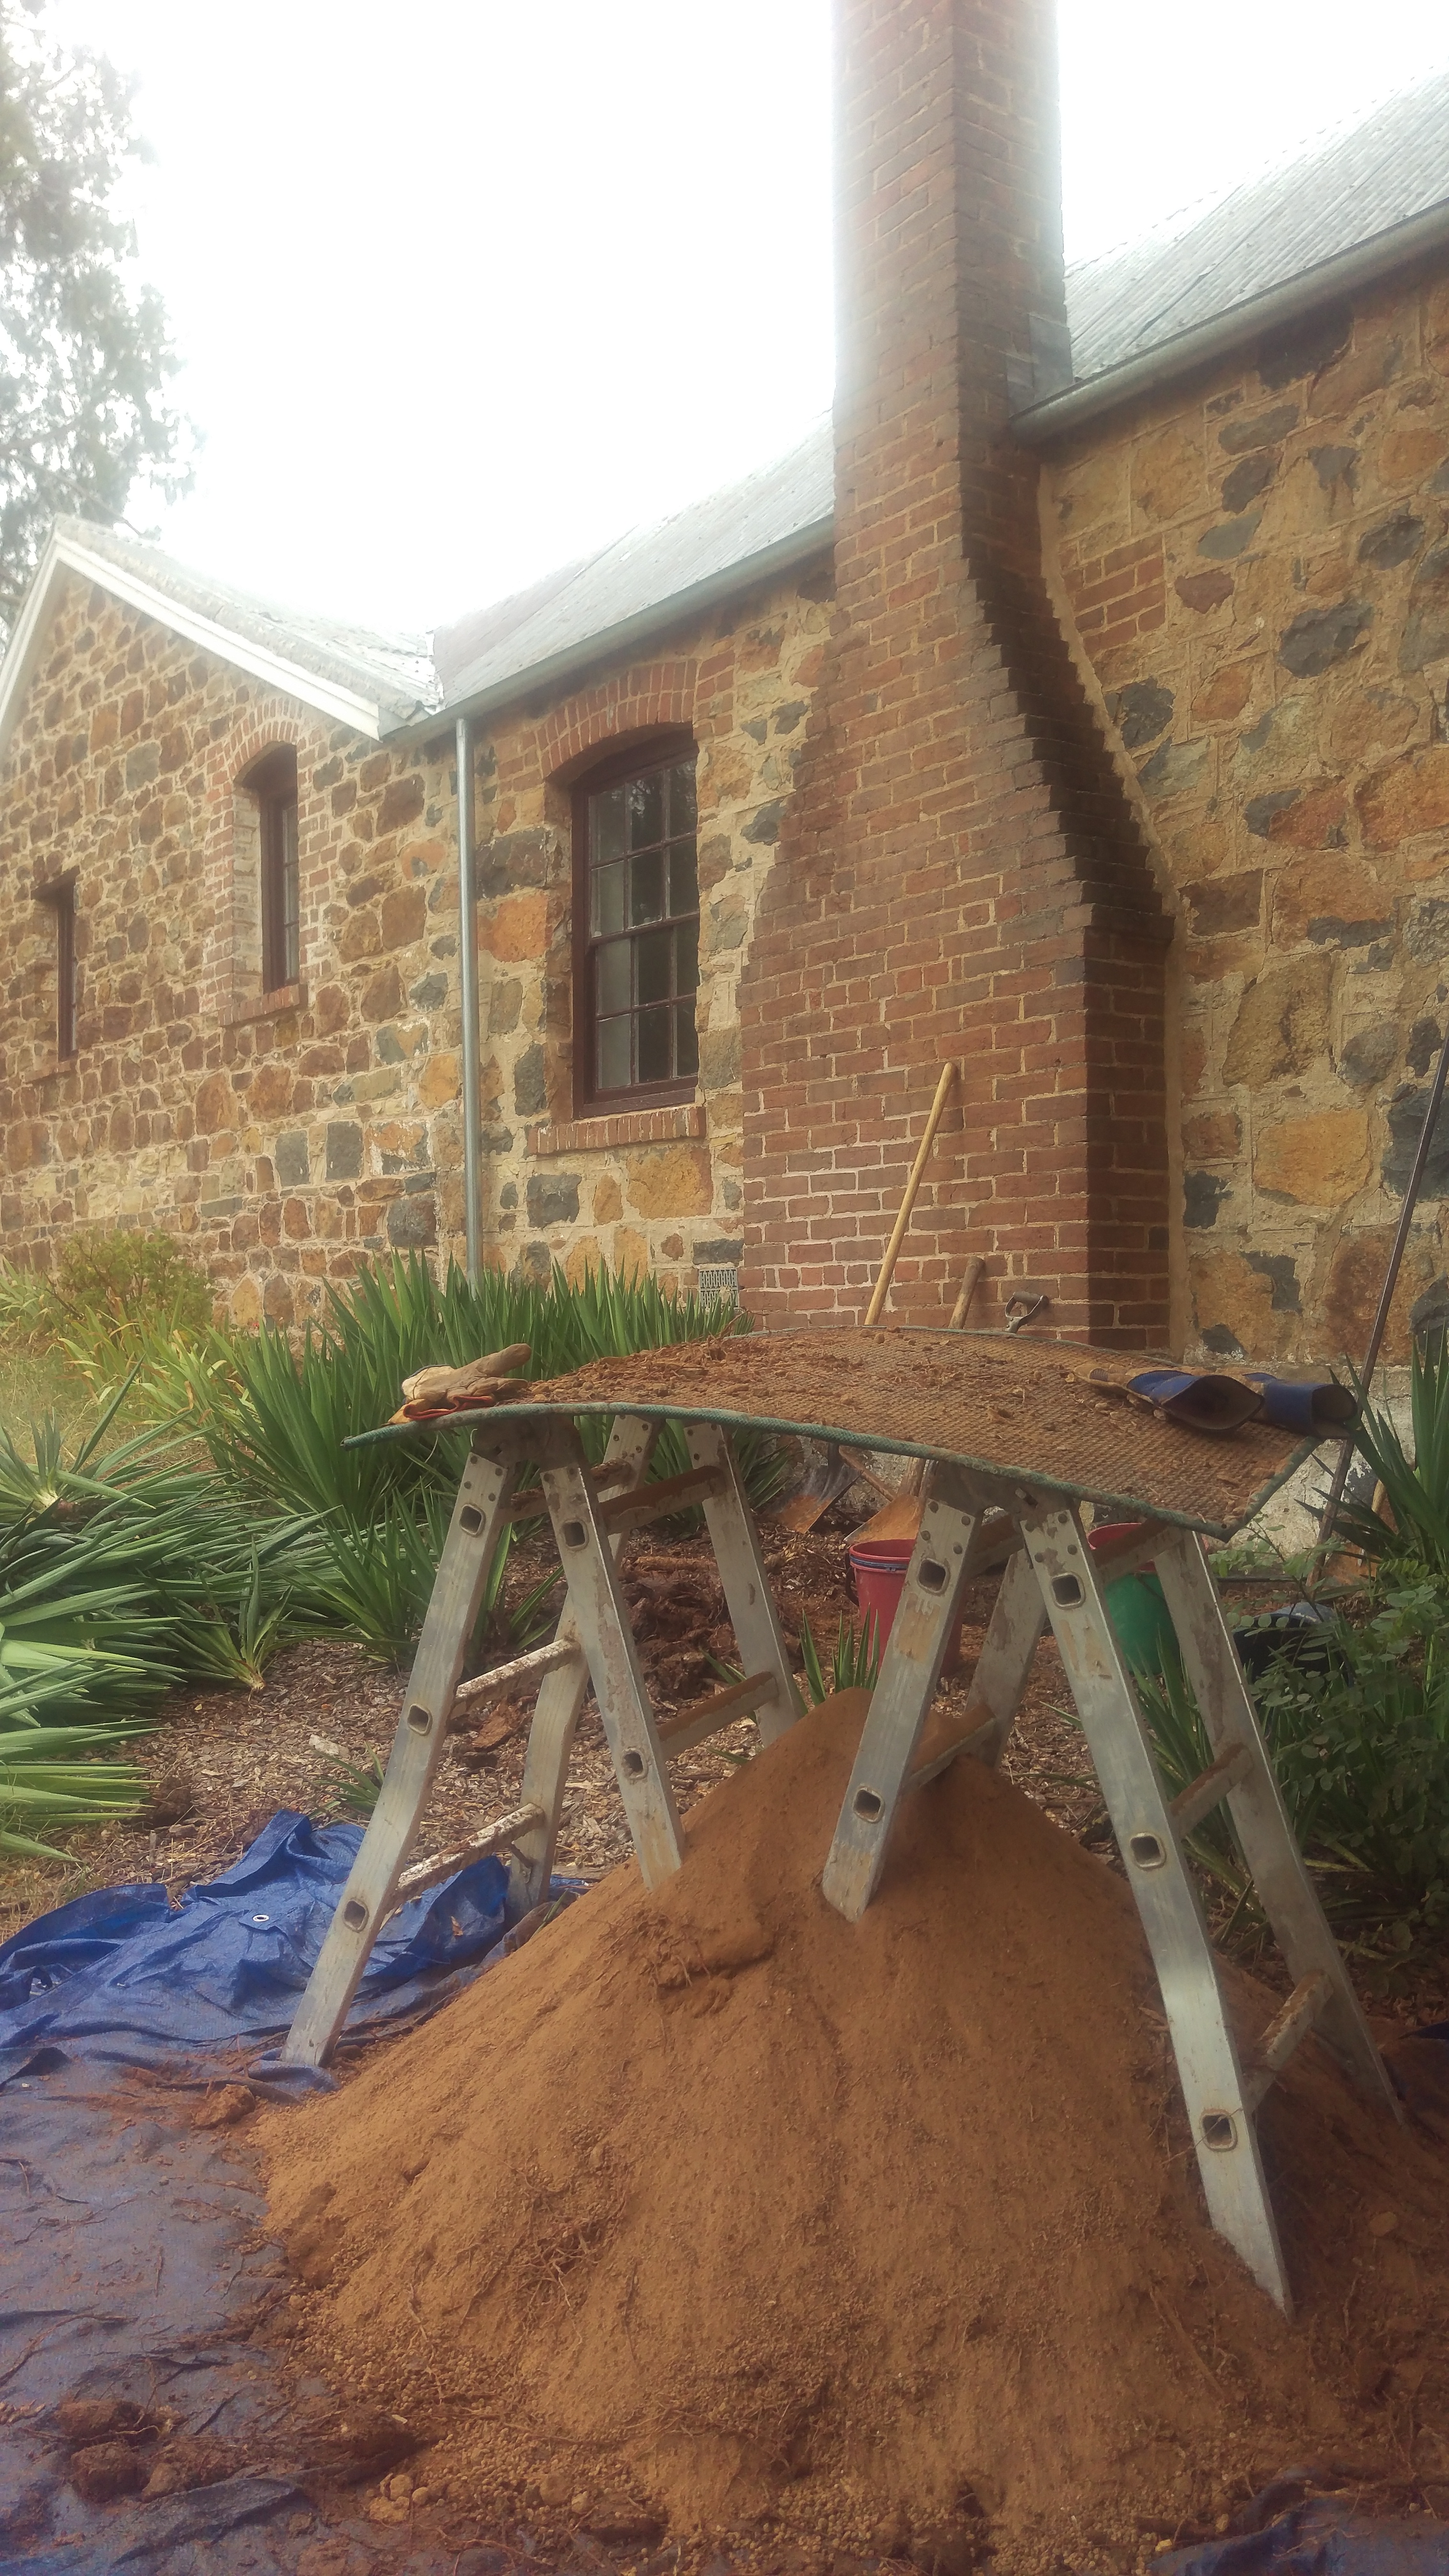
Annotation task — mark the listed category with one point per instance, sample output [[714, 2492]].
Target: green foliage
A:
[[84, 355], [1362, 1753], [43, 1780], [1180, 1742], [854, 1661], [113, 1299], [275, 1420], [1415, 1477], [353, 1788]]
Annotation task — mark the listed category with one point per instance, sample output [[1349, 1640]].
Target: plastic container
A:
[[1136, 1606], [879, 1569]]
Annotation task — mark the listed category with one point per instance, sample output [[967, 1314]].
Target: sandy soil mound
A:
[[712, 2198]]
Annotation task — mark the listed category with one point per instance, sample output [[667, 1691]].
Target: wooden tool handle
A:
[[968, 1290], [918, 1169]]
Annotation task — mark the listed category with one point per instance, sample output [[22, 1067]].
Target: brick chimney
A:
[[960, 873]]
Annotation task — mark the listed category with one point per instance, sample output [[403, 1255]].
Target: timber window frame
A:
[[636, 928], [59, 898], [272, 783]]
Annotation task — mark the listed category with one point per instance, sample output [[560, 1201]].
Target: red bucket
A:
[[879, 1568]]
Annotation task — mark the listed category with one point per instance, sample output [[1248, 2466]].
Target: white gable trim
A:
[[66, 555]]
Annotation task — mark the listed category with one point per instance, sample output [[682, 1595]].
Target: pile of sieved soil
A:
[[713, 2199]]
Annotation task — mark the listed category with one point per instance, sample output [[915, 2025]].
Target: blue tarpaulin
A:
[[124, 1978], [134, 2244]]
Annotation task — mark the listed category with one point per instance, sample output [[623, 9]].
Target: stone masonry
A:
[[289, 1135], [1257, 566], [1121, 776]]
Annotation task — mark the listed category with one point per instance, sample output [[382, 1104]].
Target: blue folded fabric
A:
[[1201, 1402], [1303, 1405]]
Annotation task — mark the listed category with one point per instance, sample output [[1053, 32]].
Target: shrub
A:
[[1361, 1750], [109, 1297], [1415, 1478], [276, 1419]]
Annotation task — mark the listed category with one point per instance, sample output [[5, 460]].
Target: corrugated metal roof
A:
[[1338, 194], [591, 601], [396, 671]]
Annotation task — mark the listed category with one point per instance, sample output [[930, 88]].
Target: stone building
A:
[[1073, 705]]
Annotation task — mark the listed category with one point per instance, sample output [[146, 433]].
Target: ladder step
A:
[[934, 1763], [707, 1716], [501, 1677], [1210, 1787], [530, 1505], [1310, 1998], [431, 1873], [656, 1502]]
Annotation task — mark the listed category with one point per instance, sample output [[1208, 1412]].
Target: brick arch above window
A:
[[647, 698]]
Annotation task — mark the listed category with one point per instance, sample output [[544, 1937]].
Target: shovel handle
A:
[[918, 1170]]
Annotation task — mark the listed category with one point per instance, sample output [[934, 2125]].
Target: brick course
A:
[[960, 874]]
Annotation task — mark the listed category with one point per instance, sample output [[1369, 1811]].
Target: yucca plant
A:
[[42, 1779], [375, 1584], [1415, 1478], [275, 1419], [353, 1788], [854, 1659]]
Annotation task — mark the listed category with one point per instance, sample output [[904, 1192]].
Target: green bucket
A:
[[1137, 1608]]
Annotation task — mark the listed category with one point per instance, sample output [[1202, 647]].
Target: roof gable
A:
[[372, 683]]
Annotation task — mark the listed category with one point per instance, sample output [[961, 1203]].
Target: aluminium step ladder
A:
[[971, 1524], [591, 1511], [1052, 1578]]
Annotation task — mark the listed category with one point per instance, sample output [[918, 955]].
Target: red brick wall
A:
[[959, 873]]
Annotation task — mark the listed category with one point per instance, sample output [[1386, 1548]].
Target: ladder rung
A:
[[431, 1873], [543, 1659], [935, 1763], [1210, 1787], [656, 1502], [1309, 1999], [530, 1506], [707, 1716]]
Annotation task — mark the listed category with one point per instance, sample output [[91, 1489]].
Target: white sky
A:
[[463, 291]]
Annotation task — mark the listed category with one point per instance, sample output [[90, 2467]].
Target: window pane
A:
[[607, 811], [613, 1054], [683, 879], [686, 1038], [608, 900], [646, 810], [653, 954], [654, 1046], [291, 946], [646, 888], [611, 970], [681, 797], [686, 957]]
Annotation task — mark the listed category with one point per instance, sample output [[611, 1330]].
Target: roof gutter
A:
[[573, 659], [1362, 266]]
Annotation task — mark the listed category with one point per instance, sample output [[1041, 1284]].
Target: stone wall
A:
[[289, 1135], [654, 1188], [1258, 569]]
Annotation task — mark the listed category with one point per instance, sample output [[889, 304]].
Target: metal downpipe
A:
[[468, 994]]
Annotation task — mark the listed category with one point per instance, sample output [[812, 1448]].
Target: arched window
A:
[[273, 785], [636, 926]]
